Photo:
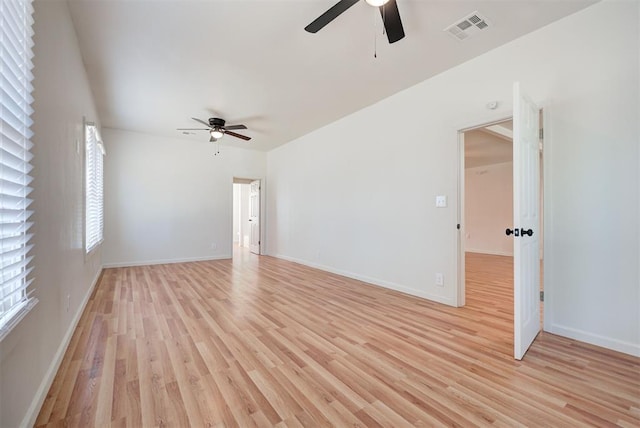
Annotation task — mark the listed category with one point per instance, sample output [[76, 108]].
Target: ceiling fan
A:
[[217, 129], [388, 10]]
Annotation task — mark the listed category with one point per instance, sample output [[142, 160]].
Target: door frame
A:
[[255, 248], [262, 211], [545, 212]]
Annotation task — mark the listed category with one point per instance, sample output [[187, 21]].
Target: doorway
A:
[[246, 214], [486, 201], [488, 184]]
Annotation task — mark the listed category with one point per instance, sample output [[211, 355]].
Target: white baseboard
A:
[[490, 252], [596, 339], [166, 261], [369, 280], [34, 409]]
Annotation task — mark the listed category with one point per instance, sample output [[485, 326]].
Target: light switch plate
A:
[[441, 201]]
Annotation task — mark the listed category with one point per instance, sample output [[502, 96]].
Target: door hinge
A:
[[542, 296], [541, 133], [258, 242]]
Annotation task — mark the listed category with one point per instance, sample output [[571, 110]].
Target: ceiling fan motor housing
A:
[[215, 122]]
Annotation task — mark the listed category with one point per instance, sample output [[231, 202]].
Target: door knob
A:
[[526, 232], [519, 232]]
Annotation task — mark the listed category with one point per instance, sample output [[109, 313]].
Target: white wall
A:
[[488, 193], [29, 355], [169, 200], [344, 197]]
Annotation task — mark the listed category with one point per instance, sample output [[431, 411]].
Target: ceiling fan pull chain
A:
[[375, 45], [375, 36]]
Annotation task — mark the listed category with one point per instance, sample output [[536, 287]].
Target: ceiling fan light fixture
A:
[[376, 3], [216, 133]]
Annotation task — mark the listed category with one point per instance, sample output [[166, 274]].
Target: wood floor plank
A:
[[258, 341]]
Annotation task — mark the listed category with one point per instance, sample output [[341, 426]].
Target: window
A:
[[94, 188], [16, 43]]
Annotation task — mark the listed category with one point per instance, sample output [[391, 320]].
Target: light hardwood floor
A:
[[259, 341]]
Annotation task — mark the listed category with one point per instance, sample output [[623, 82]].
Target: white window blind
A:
[[94, 187], [16, 41]]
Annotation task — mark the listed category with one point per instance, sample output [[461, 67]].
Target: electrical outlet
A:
[[439, 279], [214, 246], [68, 301]]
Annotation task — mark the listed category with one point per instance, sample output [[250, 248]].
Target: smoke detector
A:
[[468, 26]]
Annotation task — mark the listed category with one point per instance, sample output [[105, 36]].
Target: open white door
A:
[[254, 217], [526, 218]]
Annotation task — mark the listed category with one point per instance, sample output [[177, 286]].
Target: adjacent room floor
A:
[[258, 341]]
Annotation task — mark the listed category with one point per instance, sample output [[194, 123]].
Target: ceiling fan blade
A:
[[331, 14], [201, 121], [192, 129], [233, 134], [392, 22], [235, 127]]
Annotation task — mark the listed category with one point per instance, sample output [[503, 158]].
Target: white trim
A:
[[547, 218], [89, 254], [461, 275], [490, 252], [166, 261], [596, 339], [38, 400], [263, 216], [16, 315], [371, 281]]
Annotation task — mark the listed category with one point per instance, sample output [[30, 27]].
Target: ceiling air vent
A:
[[467, 26]]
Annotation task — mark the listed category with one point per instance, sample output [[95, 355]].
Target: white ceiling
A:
[[154, 64], [489, 145]]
